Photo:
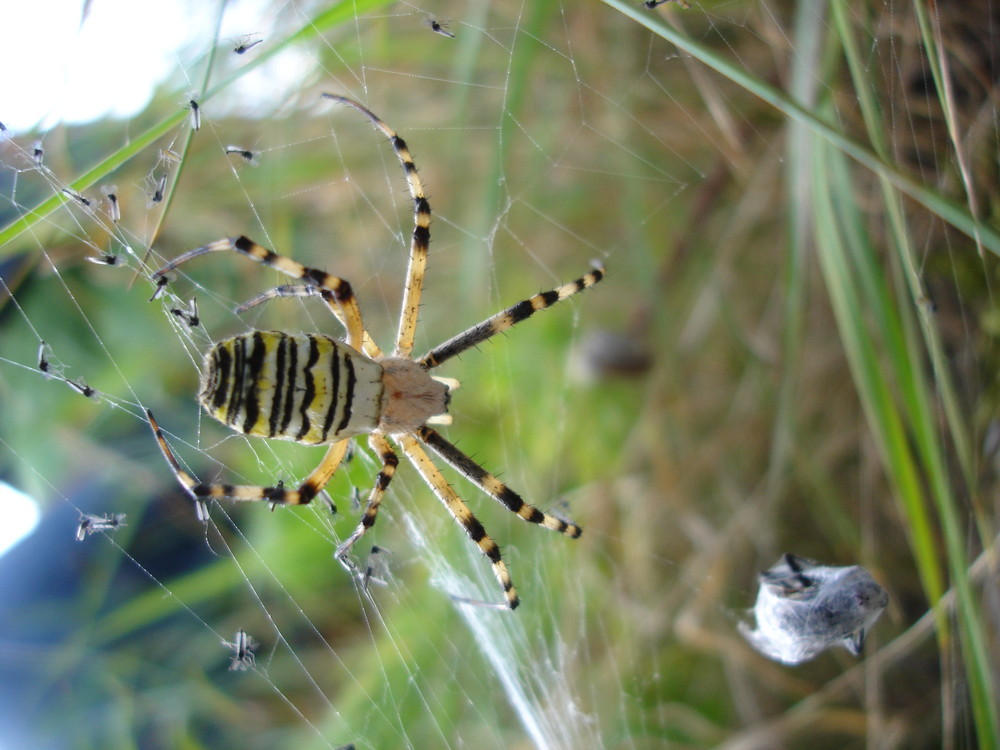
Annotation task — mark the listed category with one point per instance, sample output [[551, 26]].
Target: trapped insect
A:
[[440, 27], [195, 115], [114, 208], [243, 647], [81, 387], [159, 190], [77, 197], [317, 390], [190, 315], [245, 154], [247, 43], [43, 362], [804, 608], [376, 568], [168, 156], [89, 524], [161, 287]]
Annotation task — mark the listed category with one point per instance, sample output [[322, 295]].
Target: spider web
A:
[[680, 411]]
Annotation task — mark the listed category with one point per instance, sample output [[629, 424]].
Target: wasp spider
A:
[[316, 390]]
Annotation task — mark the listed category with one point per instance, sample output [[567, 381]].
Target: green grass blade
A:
[[882, 415], [325, 20], [884, 359], [946, 209], [917, 396], [876, 131]]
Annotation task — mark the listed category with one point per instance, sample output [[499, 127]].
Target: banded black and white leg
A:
[[508, 318], [202, 492], [492, 486], [369, 347], [381, 448], [419, 242], [339, 290], [461, 513]]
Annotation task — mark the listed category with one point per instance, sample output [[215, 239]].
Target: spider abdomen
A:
[[308, 388]]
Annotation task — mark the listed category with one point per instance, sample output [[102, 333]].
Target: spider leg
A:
[[461, 513], [389, 463], [339, 288], [492, 486], [421, 231], [507, 318], [201, 492], [319, 477], [305, 290], [186, 480]]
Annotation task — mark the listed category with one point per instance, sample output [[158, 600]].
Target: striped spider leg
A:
[[315, 390], [420, 240]]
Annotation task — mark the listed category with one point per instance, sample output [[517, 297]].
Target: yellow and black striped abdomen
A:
[[307, 387]]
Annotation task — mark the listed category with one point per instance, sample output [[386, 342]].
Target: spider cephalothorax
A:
[[316, 390]]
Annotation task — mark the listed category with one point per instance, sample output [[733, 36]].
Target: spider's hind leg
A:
[[340, 289], [201, 493], [368, 346], [389, 463]]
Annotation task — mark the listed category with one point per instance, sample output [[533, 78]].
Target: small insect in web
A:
[[168, 156], [89, 524], [650, 4], [804, 608], [81, 387], [43, 361], [355, 499], [440, 27], [243, 647], [46, 367], [161, 287], [376, 568], [37, 153], [246, 43], [316, 390], [158, 190], [111, 198], [248, 156], [195, 114], [189, 315], [104, 259], [77, 197]]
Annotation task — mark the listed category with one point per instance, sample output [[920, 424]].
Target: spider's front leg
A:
[[465, 518], [493, 487]]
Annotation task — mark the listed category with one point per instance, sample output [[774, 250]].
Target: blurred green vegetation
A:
[[787, 199]]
